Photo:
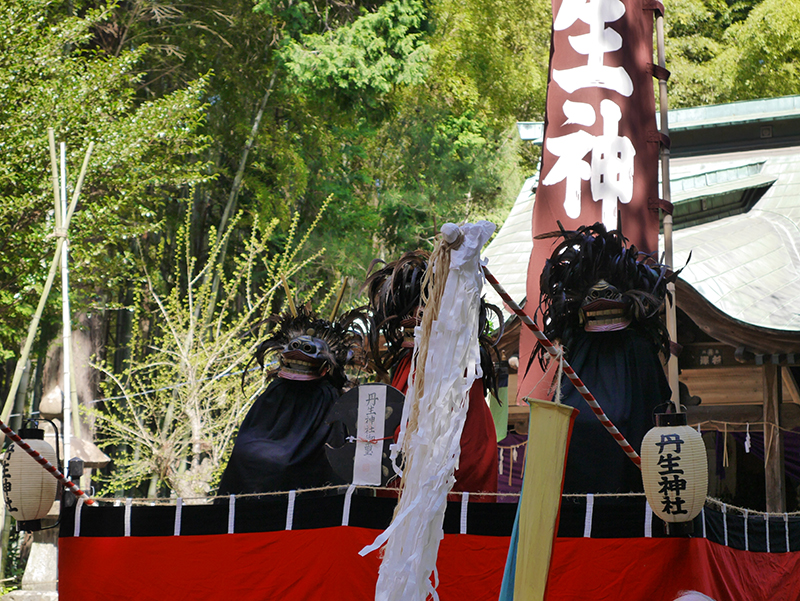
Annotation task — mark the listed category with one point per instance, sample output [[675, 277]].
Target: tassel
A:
[[747, 439]]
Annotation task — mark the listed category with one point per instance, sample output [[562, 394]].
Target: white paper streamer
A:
[[348, 498], [178, 517], [587, 521], [128, 505], [747, 440], [766, 523], [231, 513], [76, 532], [703, 520], [290, 510], [725, 523], [746, 533], [451, 366], [464, 508], [786, 530]]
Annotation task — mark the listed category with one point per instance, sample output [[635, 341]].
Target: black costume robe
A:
[[281, 442], [624, 373]]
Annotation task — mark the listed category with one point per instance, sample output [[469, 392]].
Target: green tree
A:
[[52, 75], [723, 51], [762, 58], [172, 414]]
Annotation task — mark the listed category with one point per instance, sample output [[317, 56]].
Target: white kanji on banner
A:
[[610, 170], [599, 40], [612, 164]]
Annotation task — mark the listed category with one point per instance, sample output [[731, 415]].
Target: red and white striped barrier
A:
[[588, 397], [49, 467]]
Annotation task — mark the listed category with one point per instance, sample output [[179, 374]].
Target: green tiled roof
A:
[[748, 111]]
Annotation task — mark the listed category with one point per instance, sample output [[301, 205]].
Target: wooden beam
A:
[[518, 418], [773, 441], [790, 389], [741, 385]]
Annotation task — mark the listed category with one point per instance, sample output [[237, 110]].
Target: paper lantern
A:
[[28, 490], [674, 469]]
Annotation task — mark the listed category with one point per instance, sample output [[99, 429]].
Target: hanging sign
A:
[[370, 435]]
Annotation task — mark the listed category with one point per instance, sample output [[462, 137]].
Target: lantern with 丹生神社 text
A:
[[674, 469], [29, 491]]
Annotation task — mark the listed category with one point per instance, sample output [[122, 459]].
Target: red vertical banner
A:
[[601, 142]]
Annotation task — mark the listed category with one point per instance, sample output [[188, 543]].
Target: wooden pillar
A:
[[773, 441]]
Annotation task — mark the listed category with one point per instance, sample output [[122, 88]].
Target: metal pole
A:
[[672, 322]]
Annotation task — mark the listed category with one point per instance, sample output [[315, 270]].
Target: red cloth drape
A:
[[324, 565], [477, 470]]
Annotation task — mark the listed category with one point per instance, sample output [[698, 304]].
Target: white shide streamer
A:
[[451, 366]]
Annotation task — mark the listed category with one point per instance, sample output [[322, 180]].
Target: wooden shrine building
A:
[[735, 183]]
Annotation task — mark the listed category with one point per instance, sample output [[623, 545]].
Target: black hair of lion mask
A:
[[310, 348], [394, 292], [595, 281]]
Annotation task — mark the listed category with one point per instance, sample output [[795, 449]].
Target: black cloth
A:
[[281, 442], [624, 373]]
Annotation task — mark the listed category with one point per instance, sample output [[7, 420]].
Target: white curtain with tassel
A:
[[445, 364]]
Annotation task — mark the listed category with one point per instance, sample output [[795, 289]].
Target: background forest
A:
[[237, 142]]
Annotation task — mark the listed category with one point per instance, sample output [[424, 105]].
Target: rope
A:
[[763, 425], [49, 467], [709, 502], [368, 440], [579, 385]]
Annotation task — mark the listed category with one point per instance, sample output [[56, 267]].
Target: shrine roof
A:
[[737, 213]]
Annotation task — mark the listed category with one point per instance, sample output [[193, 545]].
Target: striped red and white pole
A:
[[584, 392], [49, 467]]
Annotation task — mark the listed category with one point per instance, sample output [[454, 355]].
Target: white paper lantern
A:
[[28, 490], [674, 469]]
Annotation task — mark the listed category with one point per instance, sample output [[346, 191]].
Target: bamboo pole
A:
[[34, 325], [230, 206], [289, 297], [672, 321], [338, 300], [66, 321]]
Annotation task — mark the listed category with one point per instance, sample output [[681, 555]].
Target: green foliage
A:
[[492, 55], [174, 411], [371, 55], [726, 51], [452, 167], [52, 75], [15, 560], [764, 52]]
